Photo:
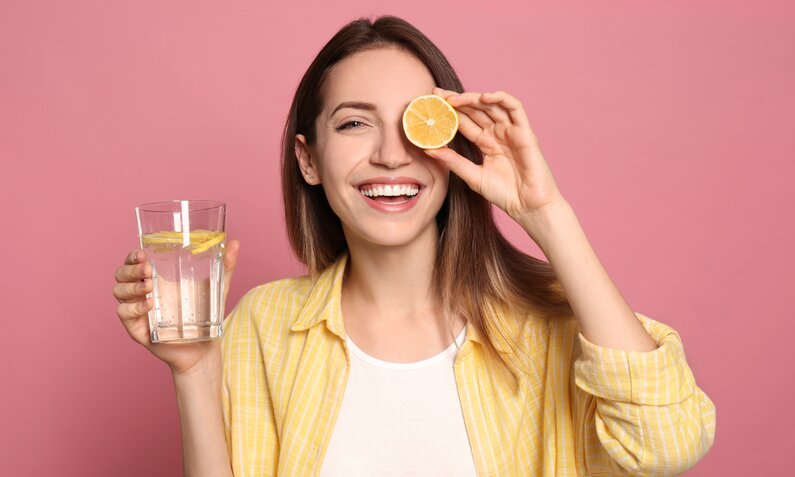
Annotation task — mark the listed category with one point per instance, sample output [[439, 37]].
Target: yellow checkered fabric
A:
[[583, 410]]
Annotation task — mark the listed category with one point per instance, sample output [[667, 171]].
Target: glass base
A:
[[186, 334]]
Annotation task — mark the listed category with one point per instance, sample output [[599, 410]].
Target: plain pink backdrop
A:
[[668, 126]]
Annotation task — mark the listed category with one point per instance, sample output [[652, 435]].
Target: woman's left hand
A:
[[514, 175]]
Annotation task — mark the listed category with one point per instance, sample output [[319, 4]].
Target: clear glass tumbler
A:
[[184, 242]]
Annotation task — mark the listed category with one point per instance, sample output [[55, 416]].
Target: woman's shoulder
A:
[[528, 329], [284, 295], [283, 291], [528, 319], [273, 305]]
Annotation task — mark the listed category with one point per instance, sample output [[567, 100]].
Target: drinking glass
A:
[[184, 242]]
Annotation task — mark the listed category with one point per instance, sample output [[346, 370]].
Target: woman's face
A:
[[361, 151]]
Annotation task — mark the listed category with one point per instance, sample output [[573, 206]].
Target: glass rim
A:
[[207, 205]]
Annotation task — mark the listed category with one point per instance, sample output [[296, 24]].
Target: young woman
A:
[[422, 342]]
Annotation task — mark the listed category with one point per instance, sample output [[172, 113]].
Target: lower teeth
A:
[[401, 199]]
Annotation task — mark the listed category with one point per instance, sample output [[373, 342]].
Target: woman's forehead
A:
[[381, 76]]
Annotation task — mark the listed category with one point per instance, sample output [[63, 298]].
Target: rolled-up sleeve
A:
[[640, 413]]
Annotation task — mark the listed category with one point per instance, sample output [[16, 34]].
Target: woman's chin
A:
[[391, 236]]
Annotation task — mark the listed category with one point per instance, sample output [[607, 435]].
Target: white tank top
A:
[[400, 419]]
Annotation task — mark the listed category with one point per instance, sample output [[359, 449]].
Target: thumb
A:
[[467, 170], [230, 262]]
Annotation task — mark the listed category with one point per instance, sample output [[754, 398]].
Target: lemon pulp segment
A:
[[430, 122], [200, 240]]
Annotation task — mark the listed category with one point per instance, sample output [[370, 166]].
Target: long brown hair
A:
[[476, 268]]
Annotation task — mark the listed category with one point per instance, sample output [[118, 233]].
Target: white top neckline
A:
[[355, 350]]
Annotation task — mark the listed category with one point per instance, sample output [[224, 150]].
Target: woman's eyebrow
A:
[[354, 105]]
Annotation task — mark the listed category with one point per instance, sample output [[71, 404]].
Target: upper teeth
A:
[[389, 190]]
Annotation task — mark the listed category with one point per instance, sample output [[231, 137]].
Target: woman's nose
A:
[[394, 149]]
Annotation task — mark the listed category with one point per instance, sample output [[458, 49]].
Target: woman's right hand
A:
[[133, 282]]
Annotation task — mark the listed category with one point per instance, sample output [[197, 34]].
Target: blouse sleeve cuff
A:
[[659, 377]]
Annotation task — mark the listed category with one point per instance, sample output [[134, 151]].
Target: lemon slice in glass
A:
[[200, 240]]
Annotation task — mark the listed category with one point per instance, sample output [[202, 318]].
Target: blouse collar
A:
[[324, 304]]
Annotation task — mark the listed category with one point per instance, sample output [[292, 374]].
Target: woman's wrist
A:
[[201, 383], [541, 224], [208, 366]]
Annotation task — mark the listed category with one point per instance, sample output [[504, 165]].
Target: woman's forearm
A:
[[204, 450], [605, 317]]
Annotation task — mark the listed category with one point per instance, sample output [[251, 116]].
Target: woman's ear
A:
[[305, 161]]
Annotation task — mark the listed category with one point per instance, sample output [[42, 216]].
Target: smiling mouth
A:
[[390, 193]]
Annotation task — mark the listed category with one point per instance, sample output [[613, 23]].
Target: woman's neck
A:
[[394, 282]]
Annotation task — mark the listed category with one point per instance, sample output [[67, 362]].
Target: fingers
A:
[[467, 170], [230, 263], [444, 93], [133, 272], [485, 114], [133, 283], [133, 279], [135, 320], [134, 310], [473, 123], [124, 292], [230, 258], [509, 104], [487, 143], [136, 256]]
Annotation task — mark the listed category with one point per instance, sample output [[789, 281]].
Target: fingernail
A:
[[135, 256]]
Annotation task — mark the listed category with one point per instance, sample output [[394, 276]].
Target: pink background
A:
[[667, 125]]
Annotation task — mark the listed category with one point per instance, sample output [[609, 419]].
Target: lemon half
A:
[[430, 122]]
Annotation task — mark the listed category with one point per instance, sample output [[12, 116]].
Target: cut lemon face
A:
[[430, 122], [199, 240]]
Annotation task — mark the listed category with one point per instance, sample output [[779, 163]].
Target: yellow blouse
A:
[[584, 410]]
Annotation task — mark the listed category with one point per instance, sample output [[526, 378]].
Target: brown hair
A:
[[476, 267]]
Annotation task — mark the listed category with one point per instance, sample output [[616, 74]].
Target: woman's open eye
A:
[[350, 125]]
